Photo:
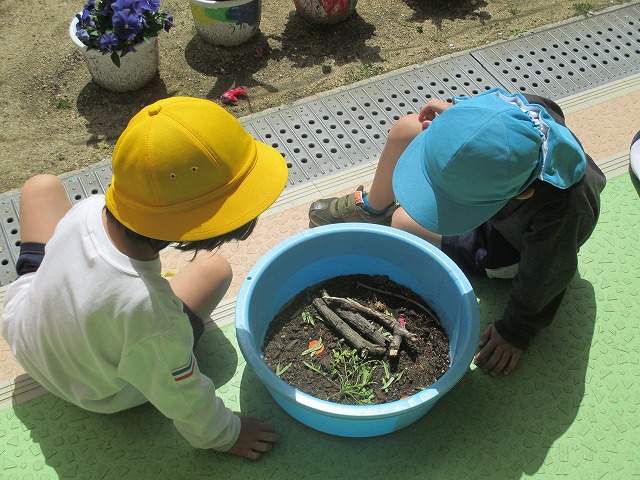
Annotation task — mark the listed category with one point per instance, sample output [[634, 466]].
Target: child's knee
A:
[[43, 182], [406, 128], [402, 221], [220, 269]]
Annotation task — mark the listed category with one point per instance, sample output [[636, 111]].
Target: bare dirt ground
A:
[[54, 119]]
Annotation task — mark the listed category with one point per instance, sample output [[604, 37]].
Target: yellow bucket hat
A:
[[185, 169]]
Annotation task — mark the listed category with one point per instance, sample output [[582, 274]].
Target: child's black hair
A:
[[195, 246]]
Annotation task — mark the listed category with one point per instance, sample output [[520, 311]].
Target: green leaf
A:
[[314, 368], [280, 371], [387, 371], [387, 383], [307, 317], [115, 59]]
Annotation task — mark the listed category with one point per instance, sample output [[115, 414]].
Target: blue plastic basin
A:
[[326, 252]]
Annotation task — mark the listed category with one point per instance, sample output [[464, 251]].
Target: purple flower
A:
[[83, 35], [86, 19], [108, 42], [168, 22], [127, 24], [150, 5], [114, 26], [120, 5], [84, 16]]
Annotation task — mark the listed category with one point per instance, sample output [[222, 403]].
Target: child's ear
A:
[[528, 193]]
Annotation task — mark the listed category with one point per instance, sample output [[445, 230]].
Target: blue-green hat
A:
[[477, 155]]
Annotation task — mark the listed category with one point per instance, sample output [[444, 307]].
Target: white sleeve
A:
[[166, 372]]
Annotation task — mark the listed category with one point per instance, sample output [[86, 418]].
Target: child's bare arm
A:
[[256, 437], [431, 110]]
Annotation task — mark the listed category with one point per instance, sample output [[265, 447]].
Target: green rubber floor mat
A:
[[569, 410]]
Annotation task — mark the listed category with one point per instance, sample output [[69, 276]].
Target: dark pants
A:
[[480, 249]]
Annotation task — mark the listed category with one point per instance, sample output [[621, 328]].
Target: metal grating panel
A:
[[9, 237], [570, 58], [87, 183], [78, 186], [345, 129], [461, 75]]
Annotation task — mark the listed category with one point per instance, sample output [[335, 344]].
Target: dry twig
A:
[[387, 320], [364, 347], [361, 324], [427, 310]]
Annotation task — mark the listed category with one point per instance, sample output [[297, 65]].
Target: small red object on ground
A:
[[231, 96]]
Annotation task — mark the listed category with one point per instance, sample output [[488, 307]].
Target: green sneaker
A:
[[349, 208]]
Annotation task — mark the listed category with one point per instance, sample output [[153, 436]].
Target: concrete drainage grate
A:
[[341, 130]]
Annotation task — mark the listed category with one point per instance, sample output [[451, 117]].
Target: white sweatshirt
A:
[[107, 333]]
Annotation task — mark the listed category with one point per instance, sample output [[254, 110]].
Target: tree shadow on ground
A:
[[108, 113], [237, 66], [231, 66], [343, 42], [634, 181], [500, 427], [495, 427], [140, 442], [437, 11]]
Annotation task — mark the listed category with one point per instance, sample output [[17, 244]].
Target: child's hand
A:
[[496, 354], [256, 437], [431, 110]]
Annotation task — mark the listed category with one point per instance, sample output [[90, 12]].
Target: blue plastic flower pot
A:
[[326, 252]]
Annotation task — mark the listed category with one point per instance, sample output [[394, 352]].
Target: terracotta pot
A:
[[136, 68], [227, 22], [325, 11]]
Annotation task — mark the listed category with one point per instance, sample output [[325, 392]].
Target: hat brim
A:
[[414, 191], [257, 191]]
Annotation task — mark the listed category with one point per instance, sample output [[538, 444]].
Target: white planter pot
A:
[[136, 68], [226, 23]]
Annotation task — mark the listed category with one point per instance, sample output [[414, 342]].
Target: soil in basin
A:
[[357, 340]]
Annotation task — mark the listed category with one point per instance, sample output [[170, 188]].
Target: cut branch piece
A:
[[364, 347], [386, 320], [394, 348], [427, 310], [363, 326]]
